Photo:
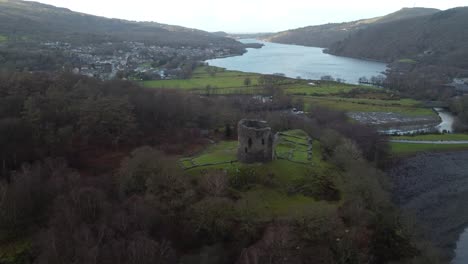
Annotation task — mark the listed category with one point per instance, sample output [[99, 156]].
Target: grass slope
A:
[[273, 201]]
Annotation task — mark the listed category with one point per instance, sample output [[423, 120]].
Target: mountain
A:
[[24, 20], [437, 39], [325, 35]]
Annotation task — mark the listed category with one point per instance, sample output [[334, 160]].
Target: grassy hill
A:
[[24, 20], [440, 39], [326, 35], [291, 167]]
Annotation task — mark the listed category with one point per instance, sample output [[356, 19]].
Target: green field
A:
[[434, 137], [3, 38], [327, 94], [324, 88], [229, 82], [403, 149], [404, 106], [222, 82]]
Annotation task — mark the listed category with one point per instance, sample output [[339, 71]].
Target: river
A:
[[299, 61], [447, 120]]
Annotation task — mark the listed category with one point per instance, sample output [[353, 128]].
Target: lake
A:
[[299, 61]]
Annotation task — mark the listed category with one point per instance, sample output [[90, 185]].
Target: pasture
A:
[[202, 80], [407, 107]]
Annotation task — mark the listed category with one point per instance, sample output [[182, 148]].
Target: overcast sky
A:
[[246, 15]]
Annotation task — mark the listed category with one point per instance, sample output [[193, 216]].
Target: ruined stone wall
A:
[[255, 141]]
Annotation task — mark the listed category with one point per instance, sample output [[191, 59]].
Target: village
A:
[[133, 60]]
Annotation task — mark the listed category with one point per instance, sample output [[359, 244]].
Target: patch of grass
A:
[[222, 152], [403, 149], [284, 171], [296, 133], [434, 137], [300, 156], [325, 88], [201, 79], [270, 203], [253, 90], [283, 149], [410, 61], [146, 64], [317, 155], [3, 38], [407, 107], [203, 71], [294, 139], [186, 163]]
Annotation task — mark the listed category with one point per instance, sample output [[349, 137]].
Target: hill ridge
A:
[[327, 34]]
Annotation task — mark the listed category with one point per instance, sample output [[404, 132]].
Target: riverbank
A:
[[434, 188]]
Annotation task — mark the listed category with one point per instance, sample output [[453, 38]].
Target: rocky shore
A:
[[434, 188]]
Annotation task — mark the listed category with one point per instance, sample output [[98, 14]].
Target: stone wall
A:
[[255, 141]]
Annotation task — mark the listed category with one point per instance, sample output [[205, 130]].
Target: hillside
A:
[[440, 39], [326, 35], [31, 21]]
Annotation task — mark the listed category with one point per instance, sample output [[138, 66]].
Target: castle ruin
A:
[[255, 141]]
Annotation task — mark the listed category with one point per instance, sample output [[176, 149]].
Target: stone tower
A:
[[255, 141]]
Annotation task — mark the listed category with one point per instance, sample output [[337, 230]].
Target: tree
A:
[[107, 120], [363, 79], [135, 170], [228, 131], [247, 81], [16, 142], [213, 217], [215, 183]]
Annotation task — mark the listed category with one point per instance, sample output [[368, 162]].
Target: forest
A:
[[90, 175]]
